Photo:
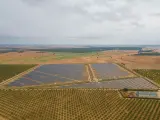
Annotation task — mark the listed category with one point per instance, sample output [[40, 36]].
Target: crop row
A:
[[71, 104]]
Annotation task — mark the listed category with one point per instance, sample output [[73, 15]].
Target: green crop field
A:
[[85, 50], [151, 74], [68, 55], [74, 104], [8, 71]]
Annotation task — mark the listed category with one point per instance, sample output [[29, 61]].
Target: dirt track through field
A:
[[89, 76], [94, 78]]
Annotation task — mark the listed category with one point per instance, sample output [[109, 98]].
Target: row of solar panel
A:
[[133, 83], [51, 74], [65, 72]]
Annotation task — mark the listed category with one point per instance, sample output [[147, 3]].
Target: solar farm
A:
[[77, 91], [107, 71], [134, 83], [56, 74], [105, 75]]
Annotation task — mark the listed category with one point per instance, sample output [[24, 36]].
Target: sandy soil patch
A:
[[141, 62], [20, 58], [120, 56]]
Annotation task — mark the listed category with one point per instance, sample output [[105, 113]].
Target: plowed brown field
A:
[[119, 56]]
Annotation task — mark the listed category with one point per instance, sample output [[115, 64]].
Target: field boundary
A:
[[55, 87], [28, 89], [149, 80], [51, 85], [154, 83], [92, 73], [139, 75], [18, 76], [87, 70], [120, 95], [121, 65], [126, 70]]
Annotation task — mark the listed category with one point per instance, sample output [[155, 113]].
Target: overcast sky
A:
[[80, 21]]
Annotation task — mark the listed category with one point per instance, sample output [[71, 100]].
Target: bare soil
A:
[[119, 56], [22, 58], [141, 62]]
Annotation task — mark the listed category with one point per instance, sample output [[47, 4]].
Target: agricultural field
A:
[[151, 74], [53, 74], [109, 71], [27, 57], [65, 55], [32, 57], [140, 62], [61, 56], [60, 91], [74, 104], [8, 71], [132, 83]]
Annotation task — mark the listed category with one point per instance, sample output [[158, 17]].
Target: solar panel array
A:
[[108, 70], [63, 73], [47, 74], [133, 83]]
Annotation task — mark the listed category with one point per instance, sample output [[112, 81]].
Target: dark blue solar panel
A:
[[45, 78], [15, 83], [108, 70], [51, 74], [22, 82], [73, 71]]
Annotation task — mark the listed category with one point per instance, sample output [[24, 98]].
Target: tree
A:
[[125, 89]]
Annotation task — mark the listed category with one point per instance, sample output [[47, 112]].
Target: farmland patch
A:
[[75, 104]]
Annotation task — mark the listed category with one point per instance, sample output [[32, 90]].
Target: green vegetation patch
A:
[[8, 71], [68, 55], [75, 104], [151, 74], [40, 59], [87, 49], [148, 54]]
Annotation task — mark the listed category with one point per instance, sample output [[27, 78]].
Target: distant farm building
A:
[[146, 50]]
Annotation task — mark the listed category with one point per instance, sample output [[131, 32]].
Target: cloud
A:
[[81, 21], [35, 2], [155, 14]]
